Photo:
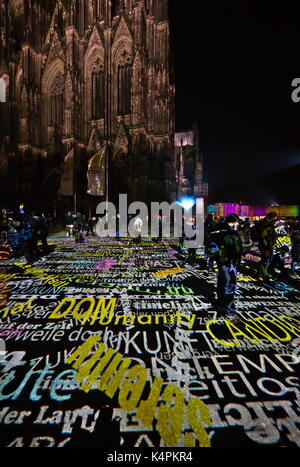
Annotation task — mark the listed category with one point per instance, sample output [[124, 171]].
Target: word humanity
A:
[[111, 372], [106, 312]]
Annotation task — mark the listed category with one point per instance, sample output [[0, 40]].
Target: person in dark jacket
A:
[[40, 230], [79, 225], [228, 249], [90, 226], [246, 228], [266, 241]]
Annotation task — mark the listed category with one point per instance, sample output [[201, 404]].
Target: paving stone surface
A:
[[112, 343]]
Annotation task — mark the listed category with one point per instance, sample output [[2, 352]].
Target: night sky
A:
[[234, 66]]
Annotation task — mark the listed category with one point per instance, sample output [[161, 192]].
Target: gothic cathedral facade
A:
[[78, 74]]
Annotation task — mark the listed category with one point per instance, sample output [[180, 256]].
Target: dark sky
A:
[[234, 65]]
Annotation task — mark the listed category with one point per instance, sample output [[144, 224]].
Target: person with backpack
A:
[[226, 247], [295, 252], [266, 241]]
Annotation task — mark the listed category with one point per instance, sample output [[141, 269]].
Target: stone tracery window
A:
[[124, 83], [98, 89], [2, 90], [56, 100], [4, 84]]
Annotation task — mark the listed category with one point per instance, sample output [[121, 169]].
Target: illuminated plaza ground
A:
[[134, 327]]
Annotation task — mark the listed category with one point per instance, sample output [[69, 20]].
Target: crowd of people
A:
[[78, 225], [21, 234], [226, 240]]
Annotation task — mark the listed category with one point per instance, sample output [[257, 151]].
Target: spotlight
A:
[[187, 203]]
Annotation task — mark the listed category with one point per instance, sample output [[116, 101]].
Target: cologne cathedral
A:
[[76, 75]]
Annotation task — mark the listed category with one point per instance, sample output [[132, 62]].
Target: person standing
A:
[[79, 225], [4, 225], [90, 226], [266, 241], [138, 227], [246, 228], [118, 227], [69, 221], [28, 239], [40, 230], [228, 250], [192, 252], [160, 228]]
